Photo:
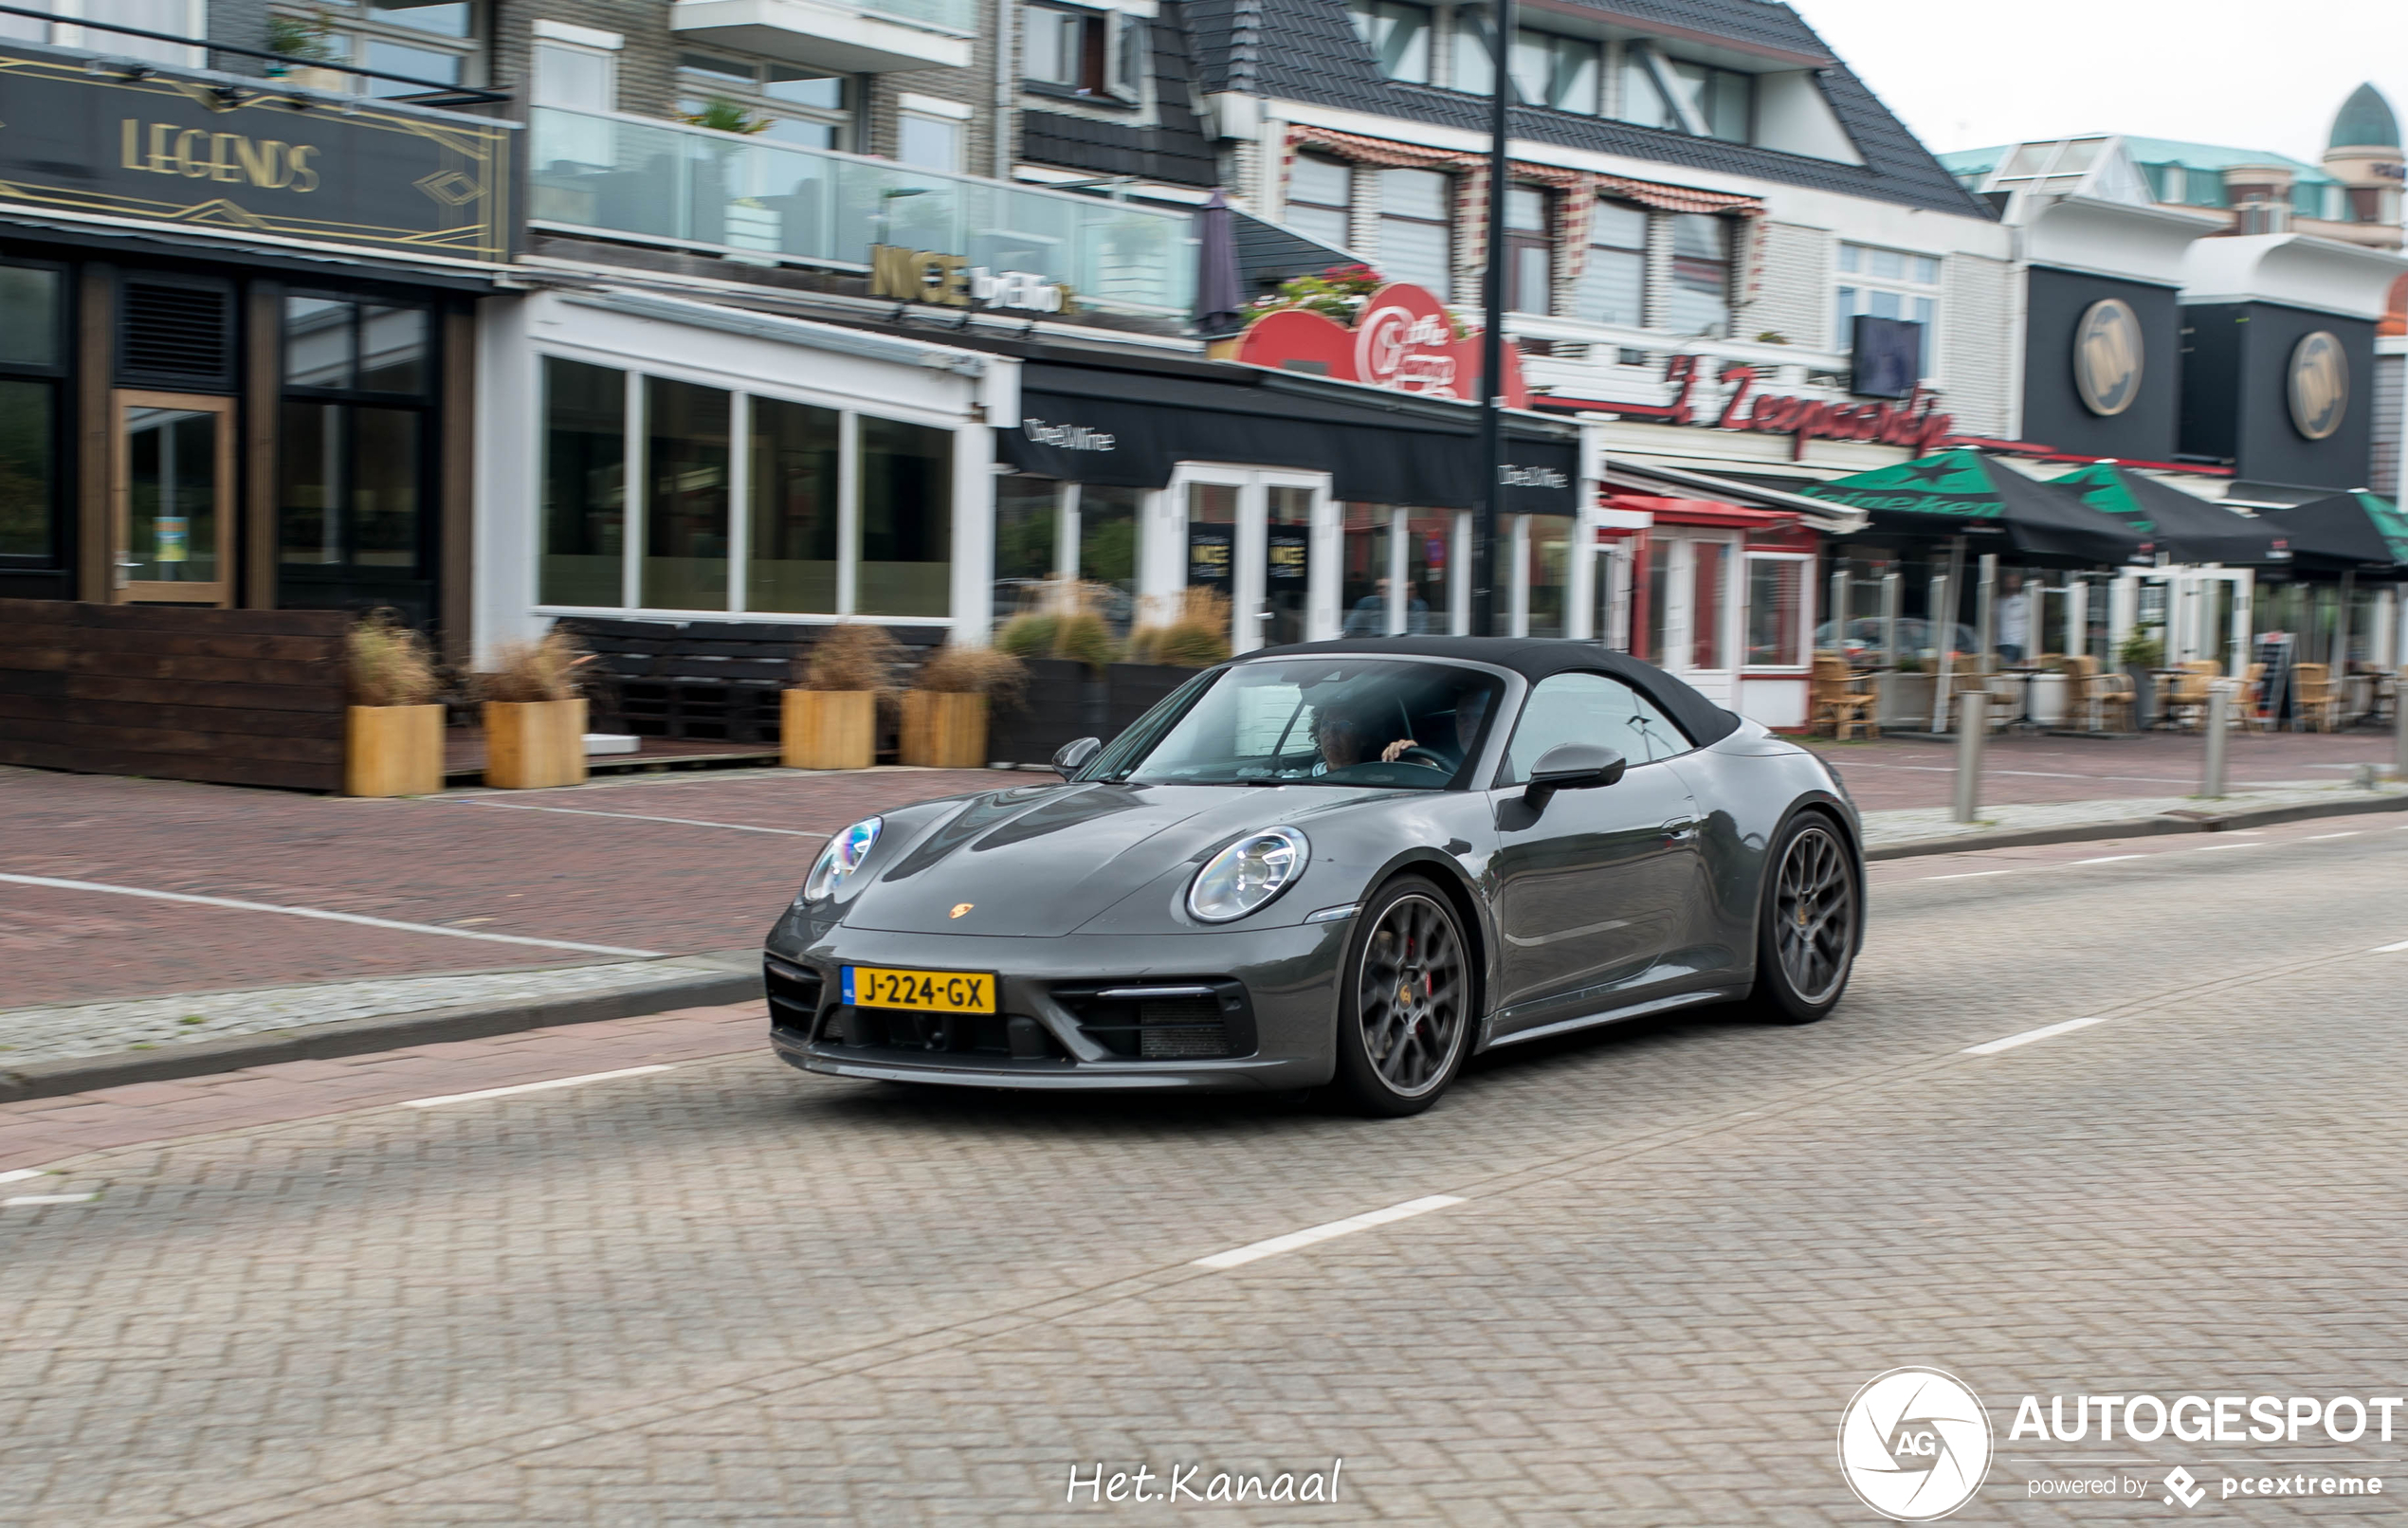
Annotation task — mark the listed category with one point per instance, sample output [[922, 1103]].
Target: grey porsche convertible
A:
[[1345, 864]]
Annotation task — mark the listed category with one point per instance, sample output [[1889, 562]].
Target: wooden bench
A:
[[708, 680]]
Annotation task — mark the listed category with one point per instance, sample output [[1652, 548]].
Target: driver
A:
[[1347, 736], [1472, 703]]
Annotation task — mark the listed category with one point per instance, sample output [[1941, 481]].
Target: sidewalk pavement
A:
[[655, 889]]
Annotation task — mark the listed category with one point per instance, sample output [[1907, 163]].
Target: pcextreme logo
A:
[[1914, 1443]]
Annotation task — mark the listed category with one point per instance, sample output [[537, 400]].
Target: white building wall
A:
[[1793, 291], [1977, 344]]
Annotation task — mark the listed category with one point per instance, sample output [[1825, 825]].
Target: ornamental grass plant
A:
[[545, 669], [390, 663], [853, 655]]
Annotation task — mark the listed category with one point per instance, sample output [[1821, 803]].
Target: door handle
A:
[[1680, 831]]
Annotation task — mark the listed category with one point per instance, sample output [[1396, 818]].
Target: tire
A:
[[1397, 1047], [1809, 922]]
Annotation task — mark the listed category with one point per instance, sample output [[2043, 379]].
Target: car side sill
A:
[[1616, 1015]]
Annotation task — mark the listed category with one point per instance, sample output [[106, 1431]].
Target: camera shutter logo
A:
[[1914, 1443], [2107, 353], [2319, 385]]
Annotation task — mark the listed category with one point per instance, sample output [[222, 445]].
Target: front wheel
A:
[[1806, 930], [1404, 1011]]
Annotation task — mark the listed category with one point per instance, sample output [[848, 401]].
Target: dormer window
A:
[[1084, 52], [1722, 99], [1397, 35]]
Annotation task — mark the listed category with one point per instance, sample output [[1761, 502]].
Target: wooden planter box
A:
[[533, 744], [830, 729], [393, 750], [944, 731]]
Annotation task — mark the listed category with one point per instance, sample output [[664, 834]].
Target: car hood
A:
[[1044, 861]]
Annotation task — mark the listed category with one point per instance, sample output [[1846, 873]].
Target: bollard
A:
[[1973, 726], [2220, 720]]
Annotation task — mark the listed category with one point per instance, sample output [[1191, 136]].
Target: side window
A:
[[1589, 708]]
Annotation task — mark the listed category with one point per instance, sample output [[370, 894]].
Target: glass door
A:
[[1250, 537], [174, 493], [1287, 563]]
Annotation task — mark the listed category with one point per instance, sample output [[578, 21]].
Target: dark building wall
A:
[[2053, 407], [2236, 394]]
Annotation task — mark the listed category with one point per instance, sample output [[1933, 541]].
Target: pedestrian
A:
[[2014, 621], [1369, 618]]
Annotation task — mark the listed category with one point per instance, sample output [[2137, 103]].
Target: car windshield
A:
[[1322, 721]]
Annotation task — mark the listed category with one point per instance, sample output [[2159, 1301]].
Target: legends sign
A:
[[251, 159]]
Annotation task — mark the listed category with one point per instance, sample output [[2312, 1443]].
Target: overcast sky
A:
[[2261, 74]]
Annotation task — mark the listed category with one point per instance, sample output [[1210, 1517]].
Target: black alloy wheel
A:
[[1806, 939], [1405, 1012]]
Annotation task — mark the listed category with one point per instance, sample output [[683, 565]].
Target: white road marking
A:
[[2210, 849], [2389, 949], [48, 1199], [1991, 1047], [2108, 858], [640, 817], [2352, 833], [1307, 1237], [19, 1174], [360, 918], [1967, 875], [528, 1087]]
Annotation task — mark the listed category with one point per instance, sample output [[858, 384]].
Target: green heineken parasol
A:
[[1963, 490], [2166, 520], [2345, 532]]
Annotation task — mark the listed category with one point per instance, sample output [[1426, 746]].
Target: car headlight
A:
[[840, 859], [1247, 874]]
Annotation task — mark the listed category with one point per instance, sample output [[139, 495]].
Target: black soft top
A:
[[1534, 659]]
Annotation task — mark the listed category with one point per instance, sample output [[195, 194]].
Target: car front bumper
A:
[[1275, 988]]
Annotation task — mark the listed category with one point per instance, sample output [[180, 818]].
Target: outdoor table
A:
[[2024, 674], [2162, 702]]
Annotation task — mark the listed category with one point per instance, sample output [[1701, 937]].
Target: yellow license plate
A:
[[924, 991]]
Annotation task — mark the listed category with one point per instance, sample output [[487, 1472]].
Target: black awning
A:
[[1131, 429]]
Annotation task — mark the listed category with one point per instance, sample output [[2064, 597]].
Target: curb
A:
[[2164, 823], [383, 1032]]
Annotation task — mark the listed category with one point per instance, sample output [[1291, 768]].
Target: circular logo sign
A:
[[2319, 385], [2107, 350], [1914, 1443]]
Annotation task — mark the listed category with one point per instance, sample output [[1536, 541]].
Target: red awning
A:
[[1707, 512]]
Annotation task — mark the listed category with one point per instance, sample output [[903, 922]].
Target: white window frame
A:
[[64, 33], [950, 115], [1805, 634], [606, 55], [755, 98], [1862, 283], [351, 24]]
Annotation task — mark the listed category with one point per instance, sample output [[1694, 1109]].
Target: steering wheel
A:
[[1427, 757]]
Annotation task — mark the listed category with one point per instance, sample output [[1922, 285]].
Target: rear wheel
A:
[[1806, 931], [1404, 1014]]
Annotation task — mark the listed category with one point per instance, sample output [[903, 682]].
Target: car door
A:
[[1592, 888]]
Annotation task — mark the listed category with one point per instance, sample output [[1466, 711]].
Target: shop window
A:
[[1709, 571], [1085, 53], [1775, 606], [438, 42], [795, 450], [1028, 527], [352, 440], [1364, 532], [790, 104], [1700, 299], [1558, 72], [1887, 283], [1319, 192], [906, 519], [1659, 604], [584, 485], [1414, 215], [1550, 554], [1613, 287], [32, 345], [1397, 35], [1529, 253], [1429, 570], [1107, 548], [685, 501]]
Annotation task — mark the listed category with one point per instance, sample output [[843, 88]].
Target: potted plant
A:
[[301, 49], [830, 716], [944, 713], [535, 719], [2144, 649], [1161, 657], [393, 730]]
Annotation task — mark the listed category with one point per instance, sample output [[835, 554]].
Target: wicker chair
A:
[[1839, 707], [2106, 697], [2318, 701], [2254, 699], [2186, 699]]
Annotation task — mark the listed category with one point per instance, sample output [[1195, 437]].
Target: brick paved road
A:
[[728, 1291], [1896, 771]]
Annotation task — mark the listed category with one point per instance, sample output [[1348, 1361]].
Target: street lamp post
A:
[[1483, 540]]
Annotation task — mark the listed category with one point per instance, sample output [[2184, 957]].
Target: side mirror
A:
[[1075, 755], [1571, 767]]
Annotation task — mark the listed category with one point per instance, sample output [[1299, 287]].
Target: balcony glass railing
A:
[[954, 15], [631, 176]]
